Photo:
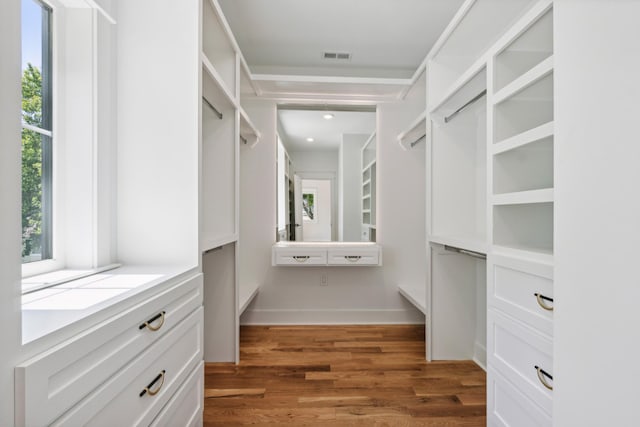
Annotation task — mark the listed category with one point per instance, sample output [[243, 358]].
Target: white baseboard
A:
[[480, 355], [331, 317]]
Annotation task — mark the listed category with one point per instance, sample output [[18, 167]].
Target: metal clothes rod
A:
[[459, 110], [243, 139], [465, 252], [414, 143], [215, 110]]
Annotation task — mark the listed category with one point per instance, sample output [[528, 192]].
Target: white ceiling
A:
[[298, 125], [387, 38]]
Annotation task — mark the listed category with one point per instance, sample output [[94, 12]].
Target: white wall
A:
[[10, 196], [597, 217], [351, 187], [353, 294]]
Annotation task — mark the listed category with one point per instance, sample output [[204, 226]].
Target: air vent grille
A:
[[336, 56]]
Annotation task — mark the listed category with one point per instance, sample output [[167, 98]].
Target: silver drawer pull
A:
[[352, 258], [148, 323], [301, 258], [541, 376], [541, 301], [147, 389]]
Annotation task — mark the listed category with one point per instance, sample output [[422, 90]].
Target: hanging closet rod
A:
[[243, 139], [215, 110], [212, 249], [465, 252], [414, 143], [459, 110]]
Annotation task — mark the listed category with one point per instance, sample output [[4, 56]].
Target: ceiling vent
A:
[[336, 56]]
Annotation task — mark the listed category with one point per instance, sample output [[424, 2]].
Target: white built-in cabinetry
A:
[[226, 130], [490, 169], [369, 191]]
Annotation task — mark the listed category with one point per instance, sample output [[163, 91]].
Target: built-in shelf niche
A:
[[458, 164], [527, 167], [523, 54], [219, 155], [217, 48], [524, 226], [471, 37], [368, 161], [525, 110]]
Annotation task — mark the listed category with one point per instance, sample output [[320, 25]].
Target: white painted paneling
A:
[[596, 346], [10, 197]]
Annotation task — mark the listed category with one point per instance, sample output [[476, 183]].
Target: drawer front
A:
[[515, 350], [49, 384], [299, 257], [523, 290], [356, 256], [185, 407], [135, 395], [508, 407]]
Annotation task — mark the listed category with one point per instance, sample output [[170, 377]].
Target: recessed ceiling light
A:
[[310, 139], [328, 116]]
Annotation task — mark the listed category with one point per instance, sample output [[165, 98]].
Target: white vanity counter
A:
[[295, 254]]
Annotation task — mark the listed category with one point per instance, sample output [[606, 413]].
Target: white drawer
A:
[[299, 256], [355, 256], [135, 394], [523, 290], [508, 407], [185, 407], [515, 350], [51, 383]]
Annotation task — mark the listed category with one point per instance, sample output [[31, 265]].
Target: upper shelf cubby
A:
[[216, 46], [529, 49], [472, 32]]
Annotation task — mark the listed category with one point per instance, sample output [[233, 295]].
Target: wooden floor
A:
[[341, 376]]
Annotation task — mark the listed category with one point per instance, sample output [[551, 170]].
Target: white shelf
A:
[[416, 131], [524, 197], [368, 196], [209, 243], [521, 252], [217, 79], [472, 82], [366, 182], [460, 242], [366, 210], [248, 131], [246, 295], [524, 81], [373, 162], [524, 138], [416, 295]]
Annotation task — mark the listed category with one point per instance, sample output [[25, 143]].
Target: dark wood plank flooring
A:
[[341, 376]]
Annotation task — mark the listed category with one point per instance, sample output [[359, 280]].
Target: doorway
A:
[[316, 210]]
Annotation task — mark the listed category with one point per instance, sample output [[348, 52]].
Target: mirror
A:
[[326, 174]]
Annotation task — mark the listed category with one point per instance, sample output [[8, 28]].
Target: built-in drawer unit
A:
[[299, 256], [136, 394], [355, 256], [326, 254], [524, 290], [185, 408], [523, 356], [51, 383], [508, 407]]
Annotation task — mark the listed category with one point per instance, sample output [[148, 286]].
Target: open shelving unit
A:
[[369, 178], [224, 127]]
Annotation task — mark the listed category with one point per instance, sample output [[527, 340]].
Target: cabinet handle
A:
[[352, 258], [148, 323], [147, 389], [301, 258], [541, 376], [541, 301]]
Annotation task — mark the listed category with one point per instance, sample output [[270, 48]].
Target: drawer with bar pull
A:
[[50, 383], [136, 394]]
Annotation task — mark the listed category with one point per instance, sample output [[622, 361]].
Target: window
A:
[[309, 205], [37, 140]]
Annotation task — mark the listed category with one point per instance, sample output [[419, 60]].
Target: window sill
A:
[[49, 310]]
